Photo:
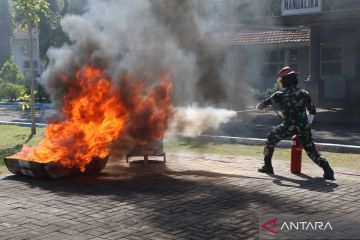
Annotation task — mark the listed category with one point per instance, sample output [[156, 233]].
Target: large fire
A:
[[97, 112]]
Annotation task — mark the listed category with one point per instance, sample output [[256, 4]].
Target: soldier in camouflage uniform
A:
[[293, 102]]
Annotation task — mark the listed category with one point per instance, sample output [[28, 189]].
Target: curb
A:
[[38, 106], [329, 147], [22, 124]]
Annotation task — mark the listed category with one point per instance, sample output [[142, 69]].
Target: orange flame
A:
[[96, 112]]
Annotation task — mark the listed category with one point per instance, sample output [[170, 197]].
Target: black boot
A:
[[328, 172], [267, 167]]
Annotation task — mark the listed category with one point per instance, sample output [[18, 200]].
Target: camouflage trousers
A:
[[281, 132]]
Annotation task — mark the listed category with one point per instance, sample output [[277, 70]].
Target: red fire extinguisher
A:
[[296, 154]]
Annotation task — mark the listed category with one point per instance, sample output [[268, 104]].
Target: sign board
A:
[[296, 7]]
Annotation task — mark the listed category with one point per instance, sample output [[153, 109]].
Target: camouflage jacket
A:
[[293, 103]]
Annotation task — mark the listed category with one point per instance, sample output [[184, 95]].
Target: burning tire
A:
[[52, 169], [96, 166]]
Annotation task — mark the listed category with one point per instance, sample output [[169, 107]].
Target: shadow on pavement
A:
[[312, 184], [198, 202], [211, 174]]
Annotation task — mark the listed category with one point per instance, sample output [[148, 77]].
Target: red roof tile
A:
[[264, 37], [254, 37]]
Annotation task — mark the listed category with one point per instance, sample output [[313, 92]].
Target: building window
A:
[[331, 61], [274, 60], [293, 59], [24, 50], [27, 64], [275, 8]]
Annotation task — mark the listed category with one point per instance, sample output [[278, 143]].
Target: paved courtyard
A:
[[193, 196]]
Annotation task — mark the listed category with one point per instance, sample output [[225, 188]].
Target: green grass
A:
[[6, 153], [13, 137], [347, 160]]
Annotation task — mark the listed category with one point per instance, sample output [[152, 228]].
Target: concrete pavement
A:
[[193, 196], [15, 115]]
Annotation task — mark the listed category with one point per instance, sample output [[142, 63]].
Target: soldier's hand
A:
[[310, 118], [260, 106]]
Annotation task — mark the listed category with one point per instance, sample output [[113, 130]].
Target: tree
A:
[[11, 73], [5, 30], [28, 13], [12, 91], [51, 33], [77, 6]]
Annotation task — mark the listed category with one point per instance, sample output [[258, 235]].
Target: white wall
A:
[[19, 48]]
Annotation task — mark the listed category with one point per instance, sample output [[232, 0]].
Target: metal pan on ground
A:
[[152, 149], [52, 169]]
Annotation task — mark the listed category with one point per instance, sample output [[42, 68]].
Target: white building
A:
[[319, 39], [20, 51]]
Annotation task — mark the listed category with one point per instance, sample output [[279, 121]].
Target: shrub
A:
[[11, 91], [11, 73], [261, 95]]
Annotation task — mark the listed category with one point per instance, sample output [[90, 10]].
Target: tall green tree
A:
[[27, 13], [51, 33], [5, 30], [77, 6]]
